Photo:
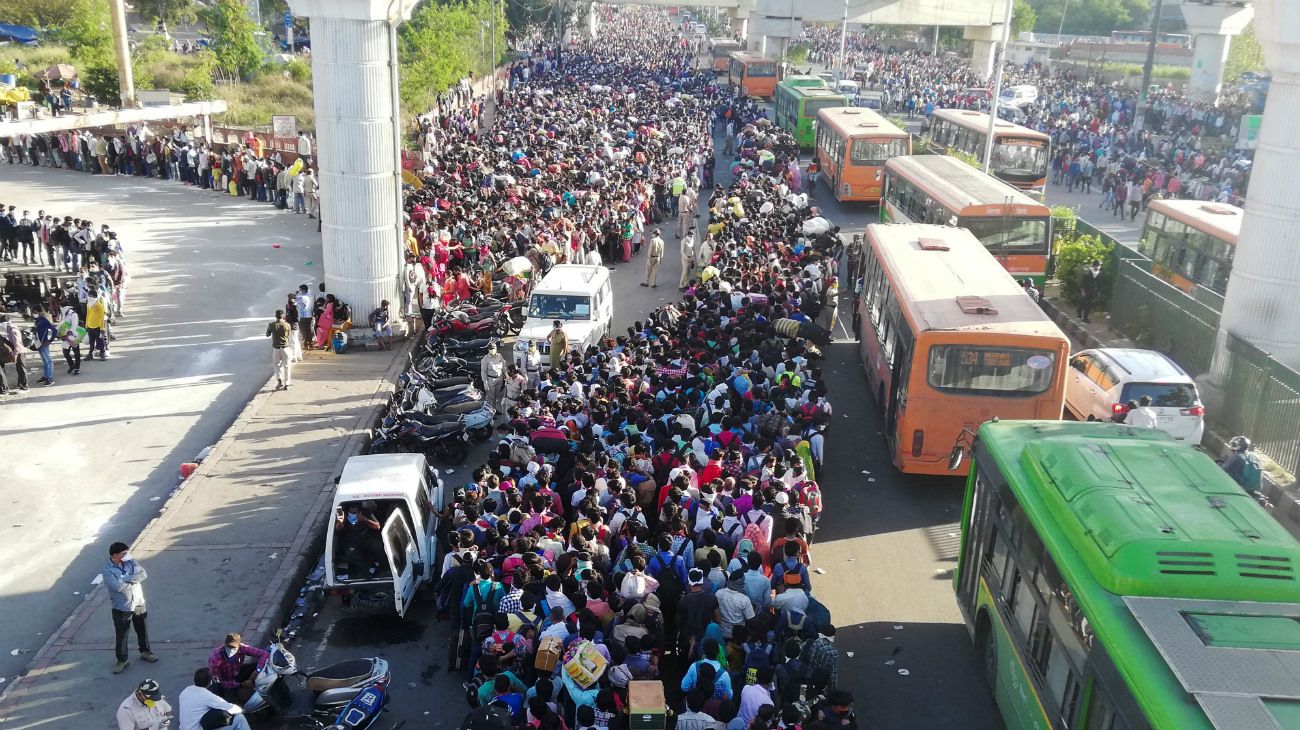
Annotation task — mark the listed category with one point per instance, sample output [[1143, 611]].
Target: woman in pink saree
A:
[[325, 323]]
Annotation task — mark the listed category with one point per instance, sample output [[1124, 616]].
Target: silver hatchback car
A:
[[1101, 382]]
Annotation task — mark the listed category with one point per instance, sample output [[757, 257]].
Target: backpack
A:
[[1251, 474], [756, 536], [7, 354], [756, 657], [670, 584], [472, 687], [28, 336], [772, 425]]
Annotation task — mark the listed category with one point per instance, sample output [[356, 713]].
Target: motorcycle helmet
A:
[[1240, 444]]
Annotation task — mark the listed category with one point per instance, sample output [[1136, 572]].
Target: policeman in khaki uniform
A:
[[654, 255]]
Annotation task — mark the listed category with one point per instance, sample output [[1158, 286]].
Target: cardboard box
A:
[[548, 654], [584, 664], [645, 700]]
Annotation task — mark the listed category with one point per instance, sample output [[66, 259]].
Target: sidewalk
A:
[[227, 549]]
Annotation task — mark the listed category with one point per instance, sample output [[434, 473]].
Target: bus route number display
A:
[[986, 358]]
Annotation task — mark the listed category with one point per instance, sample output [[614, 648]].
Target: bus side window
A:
[[1101, 713]]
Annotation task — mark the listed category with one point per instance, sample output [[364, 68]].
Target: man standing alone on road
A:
[[653, 257], [279, 331], [688, 258], [122, 577]]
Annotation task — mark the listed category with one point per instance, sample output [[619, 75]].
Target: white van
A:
[[580, 297], [849, 88], [1019, 96], [400, 493]]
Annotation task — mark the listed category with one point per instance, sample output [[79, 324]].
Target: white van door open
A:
[[402, 559]]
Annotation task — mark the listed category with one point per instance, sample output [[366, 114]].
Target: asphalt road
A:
[[90, 460], [887, 544]]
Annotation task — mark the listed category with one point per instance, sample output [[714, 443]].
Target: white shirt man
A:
[[196, 701]]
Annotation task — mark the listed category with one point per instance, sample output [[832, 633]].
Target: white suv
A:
[[1101, 382]]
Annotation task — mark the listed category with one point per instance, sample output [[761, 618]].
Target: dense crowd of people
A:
[[648, 512], [1177, 148]]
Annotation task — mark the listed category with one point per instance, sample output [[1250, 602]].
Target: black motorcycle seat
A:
[[343, 674]]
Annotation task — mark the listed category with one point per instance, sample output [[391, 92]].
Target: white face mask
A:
[[231, 651]]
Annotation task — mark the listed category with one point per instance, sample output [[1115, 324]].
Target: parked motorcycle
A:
[[327, 692], [448, 441]]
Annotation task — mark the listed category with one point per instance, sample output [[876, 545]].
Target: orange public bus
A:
[[721, 49], [948, 341], [940, 189], [1191, 242], [853, 144], [753, 74], [1020, 155]]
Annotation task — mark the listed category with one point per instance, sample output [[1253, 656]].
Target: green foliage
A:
[[170, 12], [968, 158], [1090, 17], [44, 14], [196, 82], [233, 41], [34, 59], [1023, 18], [796, 54], [1134, 70], [87, 32], [1064, 219], [444, 41], [1073, 253], [299, 71], [1245, 54], [253, 103], [100, 81]]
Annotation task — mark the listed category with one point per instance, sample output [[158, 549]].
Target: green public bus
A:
[[797, 106], [1113, 579]]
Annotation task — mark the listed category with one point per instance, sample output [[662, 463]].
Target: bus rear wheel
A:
[[989, 650]]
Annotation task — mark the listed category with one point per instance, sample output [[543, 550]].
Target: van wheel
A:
[[1091, 418]]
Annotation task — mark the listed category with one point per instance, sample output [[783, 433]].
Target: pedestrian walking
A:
[[1089, 289], [654, 255], [11, 353], [281, 358], [46, 334], [122, 577], [688, 258], [291, 316], [305, 305]]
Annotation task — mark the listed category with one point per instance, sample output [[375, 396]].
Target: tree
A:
[[1245, 54], [234, 42], [443, 42], [1023, 18], [1090, 17], [170, 12], [37, 13], [88, 32]]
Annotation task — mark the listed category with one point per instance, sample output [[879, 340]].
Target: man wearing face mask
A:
[[144, 709], [233, 665], [358, 539]]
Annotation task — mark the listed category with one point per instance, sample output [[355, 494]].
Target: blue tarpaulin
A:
[[17, 33]]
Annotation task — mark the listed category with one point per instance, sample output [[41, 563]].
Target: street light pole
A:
[[1061, 28], [493, 65], [1000, 60], [844, 36]]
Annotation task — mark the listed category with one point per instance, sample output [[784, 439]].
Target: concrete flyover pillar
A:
[[1212, 24], [358, 124], [984, 41], [1261, 301]]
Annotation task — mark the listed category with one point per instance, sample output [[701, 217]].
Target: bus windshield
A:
[[876, 151], [559, 306], [810, 108], [1009, 236], [995, 371], [1020, 157], [761, 70]]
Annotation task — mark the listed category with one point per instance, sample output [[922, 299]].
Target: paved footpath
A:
[[226, 551]]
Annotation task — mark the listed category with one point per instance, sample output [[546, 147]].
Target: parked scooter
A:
[[448, 441], [324, 693]]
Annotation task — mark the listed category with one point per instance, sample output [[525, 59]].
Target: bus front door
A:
[[898, 374]]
